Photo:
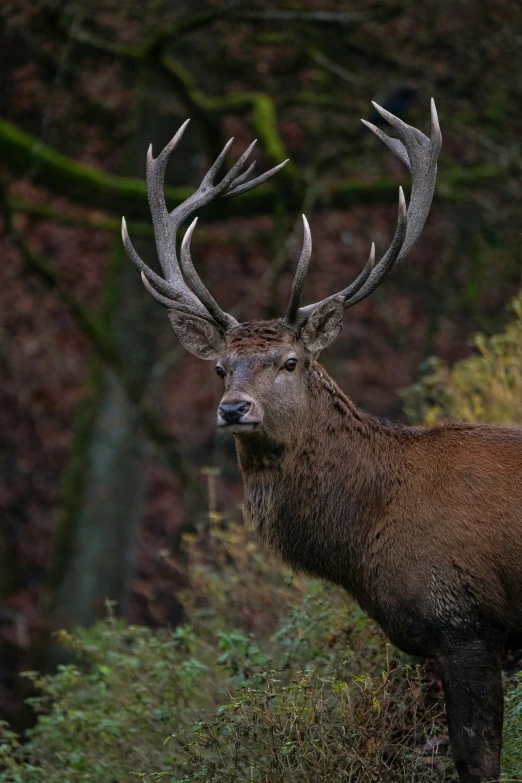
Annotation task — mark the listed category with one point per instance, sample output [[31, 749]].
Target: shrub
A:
[[487, 387], [228, 713], [313, 728], [108, 714], [319, 699]]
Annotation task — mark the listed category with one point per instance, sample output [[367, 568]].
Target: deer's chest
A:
[[310, 527], [328, 533]]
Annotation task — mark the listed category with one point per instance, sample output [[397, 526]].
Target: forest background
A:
[[108, 453]]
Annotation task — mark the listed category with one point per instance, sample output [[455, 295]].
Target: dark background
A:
[[106, 423]]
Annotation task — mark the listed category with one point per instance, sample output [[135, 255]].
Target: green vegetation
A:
[[274, 678], [487, 387]]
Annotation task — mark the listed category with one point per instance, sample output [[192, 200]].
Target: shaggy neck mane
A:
[[317, 493]]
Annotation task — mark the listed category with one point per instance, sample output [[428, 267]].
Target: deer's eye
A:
[[290, 365], [220, 371]]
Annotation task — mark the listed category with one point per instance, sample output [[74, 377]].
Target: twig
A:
[[331, 66]]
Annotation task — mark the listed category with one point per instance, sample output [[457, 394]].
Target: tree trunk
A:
[[95, 543]]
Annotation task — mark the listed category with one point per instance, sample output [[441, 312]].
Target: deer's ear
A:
[[196, 335], [323, 326]]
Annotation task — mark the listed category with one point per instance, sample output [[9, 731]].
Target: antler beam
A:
[[420, 155]]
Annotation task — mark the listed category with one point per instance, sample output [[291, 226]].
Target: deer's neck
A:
[[319, 497]]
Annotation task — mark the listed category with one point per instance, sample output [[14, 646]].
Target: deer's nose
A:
[[233, 413]]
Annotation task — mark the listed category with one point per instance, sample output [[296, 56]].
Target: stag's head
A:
[[265, 365]]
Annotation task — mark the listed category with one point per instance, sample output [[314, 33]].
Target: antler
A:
[[420, 155], [172, 290], [416, 151]]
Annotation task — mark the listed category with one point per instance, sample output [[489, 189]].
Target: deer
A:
[[421, 525]]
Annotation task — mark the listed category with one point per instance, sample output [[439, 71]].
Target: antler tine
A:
[[394, 145], [436, 135], [164, 300], [377, 275], [170, 304], [236, 191], [300, 275], [208, 179], [236, 169], [162, 285], [223, 320], [162, 160], [420, 155], [242, 177]]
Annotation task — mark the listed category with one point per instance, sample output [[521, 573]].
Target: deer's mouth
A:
[[239, 428]]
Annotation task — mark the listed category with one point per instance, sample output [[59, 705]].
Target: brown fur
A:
[[257, 336], [422, 525]]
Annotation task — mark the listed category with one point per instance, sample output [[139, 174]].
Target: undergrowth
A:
[[272, 679], [484, 388]]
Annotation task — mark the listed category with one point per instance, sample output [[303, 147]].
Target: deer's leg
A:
[[472, 679]]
